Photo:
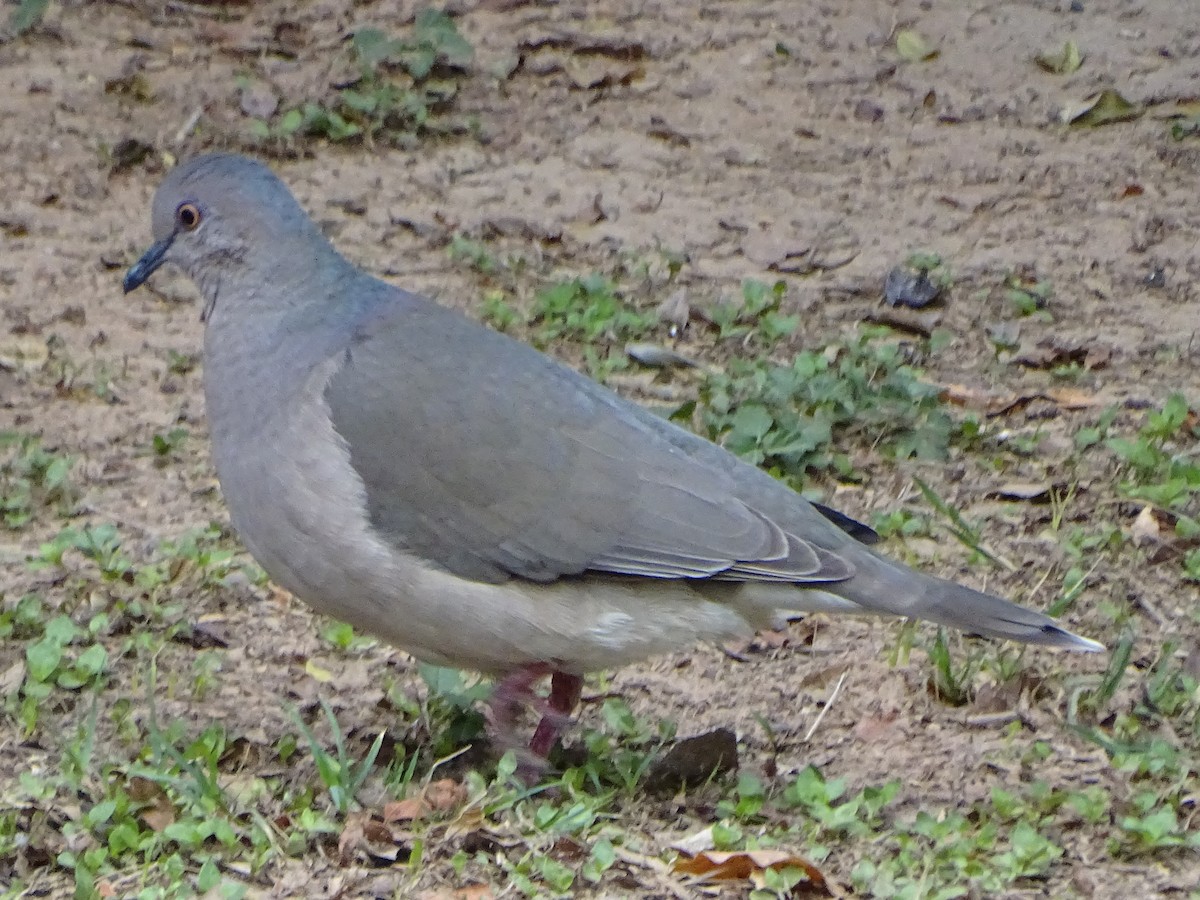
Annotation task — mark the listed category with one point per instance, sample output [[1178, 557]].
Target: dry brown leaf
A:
[[1073, 398], [352, 838], [445, 794], [999, 404], [470, 820], [825, 676], [405, 810], [1156, 528], [12, 678], [158, 811], [744, 865], [1146, 528], [476, 891], [367, 836], [1056, 351]]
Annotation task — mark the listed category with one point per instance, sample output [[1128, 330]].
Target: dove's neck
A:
[[266, 334]]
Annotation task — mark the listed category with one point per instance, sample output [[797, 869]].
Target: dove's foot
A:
[[516, 690]]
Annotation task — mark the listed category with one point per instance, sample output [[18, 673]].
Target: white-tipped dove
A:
[[459, 494]]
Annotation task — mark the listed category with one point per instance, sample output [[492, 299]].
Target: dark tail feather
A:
[[882, 586]]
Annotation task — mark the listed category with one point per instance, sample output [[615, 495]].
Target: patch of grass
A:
[[1028, 296], [33, 478], [586, 309], [397, 93], [1160, 460], [341, 775], [794, 418], [936, 269], [756, 315]]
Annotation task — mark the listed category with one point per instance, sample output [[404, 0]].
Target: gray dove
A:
[[474, 502]]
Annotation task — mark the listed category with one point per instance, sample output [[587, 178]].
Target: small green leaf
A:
[[43, 658], [913, 47], [1064, 62], [91, 662], [371, 46], [208, 877], [1105, 108], [290, 122]]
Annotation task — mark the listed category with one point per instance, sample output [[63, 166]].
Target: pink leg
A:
[[565, 691], [511, 693], [517, 689]]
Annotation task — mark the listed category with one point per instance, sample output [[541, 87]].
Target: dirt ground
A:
[[755, 137]]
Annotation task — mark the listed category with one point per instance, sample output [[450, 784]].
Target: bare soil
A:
[[753, 137]]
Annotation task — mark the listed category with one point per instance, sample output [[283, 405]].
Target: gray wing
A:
[[482, 455]]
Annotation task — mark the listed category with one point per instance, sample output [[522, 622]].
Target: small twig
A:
[[1151, 611], [186, 128], [837, 689]]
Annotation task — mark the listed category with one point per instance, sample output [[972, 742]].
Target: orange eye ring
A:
[[188, 216]]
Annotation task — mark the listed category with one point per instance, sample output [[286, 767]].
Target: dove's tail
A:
[[882, 587]]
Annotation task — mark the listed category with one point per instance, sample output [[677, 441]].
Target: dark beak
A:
[[146, 266]]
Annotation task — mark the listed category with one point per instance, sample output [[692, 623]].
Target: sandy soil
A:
[[753, 137]]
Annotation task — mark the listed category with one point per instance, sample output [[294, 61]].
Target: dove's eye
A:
[[188, 216]]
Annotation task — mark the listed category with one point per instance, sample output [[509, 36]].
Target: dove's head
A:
[[228, 221]]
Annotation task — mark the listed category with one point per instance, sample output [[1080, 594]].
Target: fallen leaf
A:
[[1056, 351], [445, 794], [405, 810], [1064, 62], [913, 47], [316, 672], [364, 836], [1073, 398], [12, 678], [157, 810], [1147, 527], [744, 865], [1104, 108], [1000, 404], [476, 891]]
